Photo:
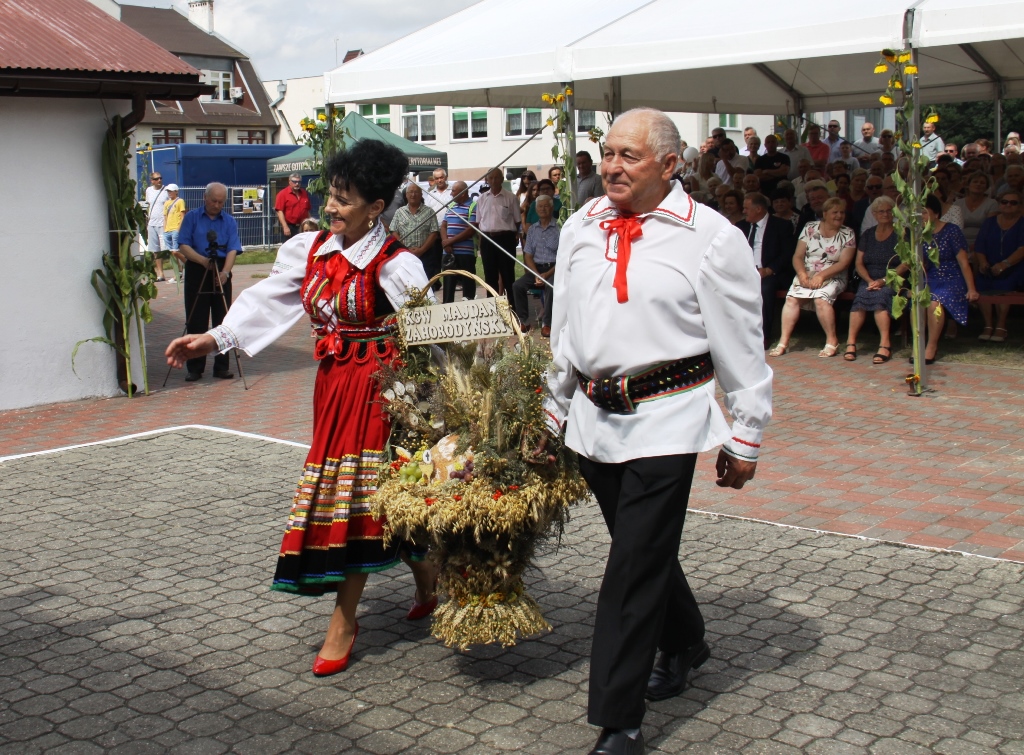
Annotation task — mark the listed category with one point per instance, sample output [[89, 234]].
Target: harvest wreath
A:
[[463, 476]]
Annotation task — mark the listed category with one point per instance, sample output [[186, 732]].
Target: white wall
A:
[[470, 159], [53, 230]]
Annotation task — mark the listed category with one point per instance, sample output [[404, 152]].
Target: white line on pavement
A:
[[155, 432]]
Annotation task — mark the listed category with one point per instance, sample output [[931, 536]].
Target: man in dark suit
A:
[[772, 244]]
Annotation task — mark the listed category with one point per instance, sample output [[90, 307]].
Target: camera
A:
[[212, 247]]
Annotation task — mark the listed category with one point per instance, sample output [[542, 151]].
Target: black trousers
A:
[[465, 262], [207, 311], [769, 286], [497, 264], [645, 603], [521, 299], [431, 261]]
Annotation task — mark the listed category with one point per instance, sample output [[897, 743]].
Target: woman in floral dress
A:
[[347, 281], [825, 250]]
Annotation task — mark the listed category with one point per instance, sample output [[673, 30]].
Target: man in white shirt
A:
[[750, 133], [439, 199], [651, 286], [498, 215], [156, 196], [796, 152], [729, 161]]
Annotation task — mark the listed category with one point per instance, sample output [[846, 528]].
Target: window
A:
[[523, 121], [418, 124], [223, 83], [379, 114], [212, 136], [320, 111], [168, 136], [728, 120], [468, 123], [252, 137], [585, 120]]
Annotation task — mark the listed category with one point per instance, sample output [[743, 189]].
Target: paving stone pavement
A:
[[135, 617]]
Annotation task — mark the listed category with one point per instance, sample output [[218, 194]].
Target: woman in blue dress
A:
[[998, 252], [951, 281]]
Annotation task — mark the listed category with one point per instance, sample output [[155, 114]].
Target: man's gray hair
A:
[[214, 185], [544, 198], [663, 136], [295, 175], [441, 171], [813, 185]]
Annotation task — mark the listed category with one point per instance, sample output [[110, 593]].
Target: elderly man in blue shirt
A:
[[209, 240], [539, 255]]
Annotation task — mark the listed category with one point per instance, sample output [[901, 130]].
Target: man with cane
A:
[[209, 240]]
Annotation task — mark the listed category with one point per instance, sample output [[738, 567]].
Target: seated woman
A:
[[998, 253], [876, 255], [823, 253], [951, 281], [731, 205]]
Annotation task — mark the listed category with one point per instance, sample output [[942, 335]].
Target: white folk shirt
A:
[[692, 290], [263, 313]]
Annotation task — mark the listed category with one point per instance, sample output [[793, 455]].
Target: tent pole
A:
[[999, 118], [914, 127], [616, 97], [570, 125]]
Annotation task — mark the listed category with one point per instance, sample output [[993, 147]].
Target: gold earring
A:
[[370, 225]]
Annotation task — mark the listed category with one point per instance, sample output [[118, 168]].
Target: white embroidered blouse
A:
[[692, 289], [261, 314]]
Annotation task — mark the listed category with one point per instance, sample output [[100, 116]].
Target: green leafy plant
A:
[[325, 143], [913, 233], [125, 283], [561, 153]]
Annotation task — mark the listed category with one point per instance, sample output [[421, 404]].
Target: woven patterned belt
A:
[[622, 394]]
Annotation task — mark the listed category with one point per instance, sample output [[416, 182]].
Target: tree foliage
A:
[[964, 122]]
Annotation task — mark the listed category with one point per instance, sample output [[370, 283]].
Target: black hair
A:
[[933, 203], [584, 153], [373, 169], [545, 182]]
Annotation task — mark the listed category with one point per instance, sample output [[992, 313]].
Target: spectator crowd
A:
[[818, 215]]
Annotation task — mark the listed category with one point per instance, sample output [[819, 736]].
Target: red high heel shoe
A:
[[421, 610], [324, 667]]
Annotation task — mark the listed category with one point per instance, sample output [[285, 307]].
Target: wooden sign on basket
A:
[[467, 320]]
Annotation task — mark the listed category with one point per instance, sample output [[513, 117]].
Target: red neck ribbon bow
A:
[[628, 227]]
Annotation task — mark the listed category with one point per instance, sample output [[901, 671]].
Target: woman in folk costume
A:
[[347, 281]]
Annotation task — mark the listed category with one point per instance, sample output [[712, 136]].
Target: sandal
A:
[[850, 356], [986, 333], [996, 338], [829, 350], [881, 358], [779, 350]]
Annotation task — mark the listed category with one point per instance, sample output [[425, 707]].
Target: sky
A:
[[293, 39]]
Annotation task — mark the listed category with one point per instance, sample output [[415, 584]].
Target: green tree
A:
[[963, 122]]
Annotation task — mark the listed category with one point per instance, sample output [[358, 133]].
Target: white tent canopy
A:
[[692, 57]]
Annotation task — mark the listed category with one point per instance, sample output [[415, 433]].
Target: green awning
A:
[[353, 129]]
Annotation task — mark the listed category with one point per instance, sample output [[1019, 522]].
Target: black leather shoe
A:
[[617, 742], [193, 377], [223, 374], [668, 678]]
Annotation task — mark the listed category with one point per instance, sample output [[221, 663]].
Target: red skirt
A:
[[330, 529]]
